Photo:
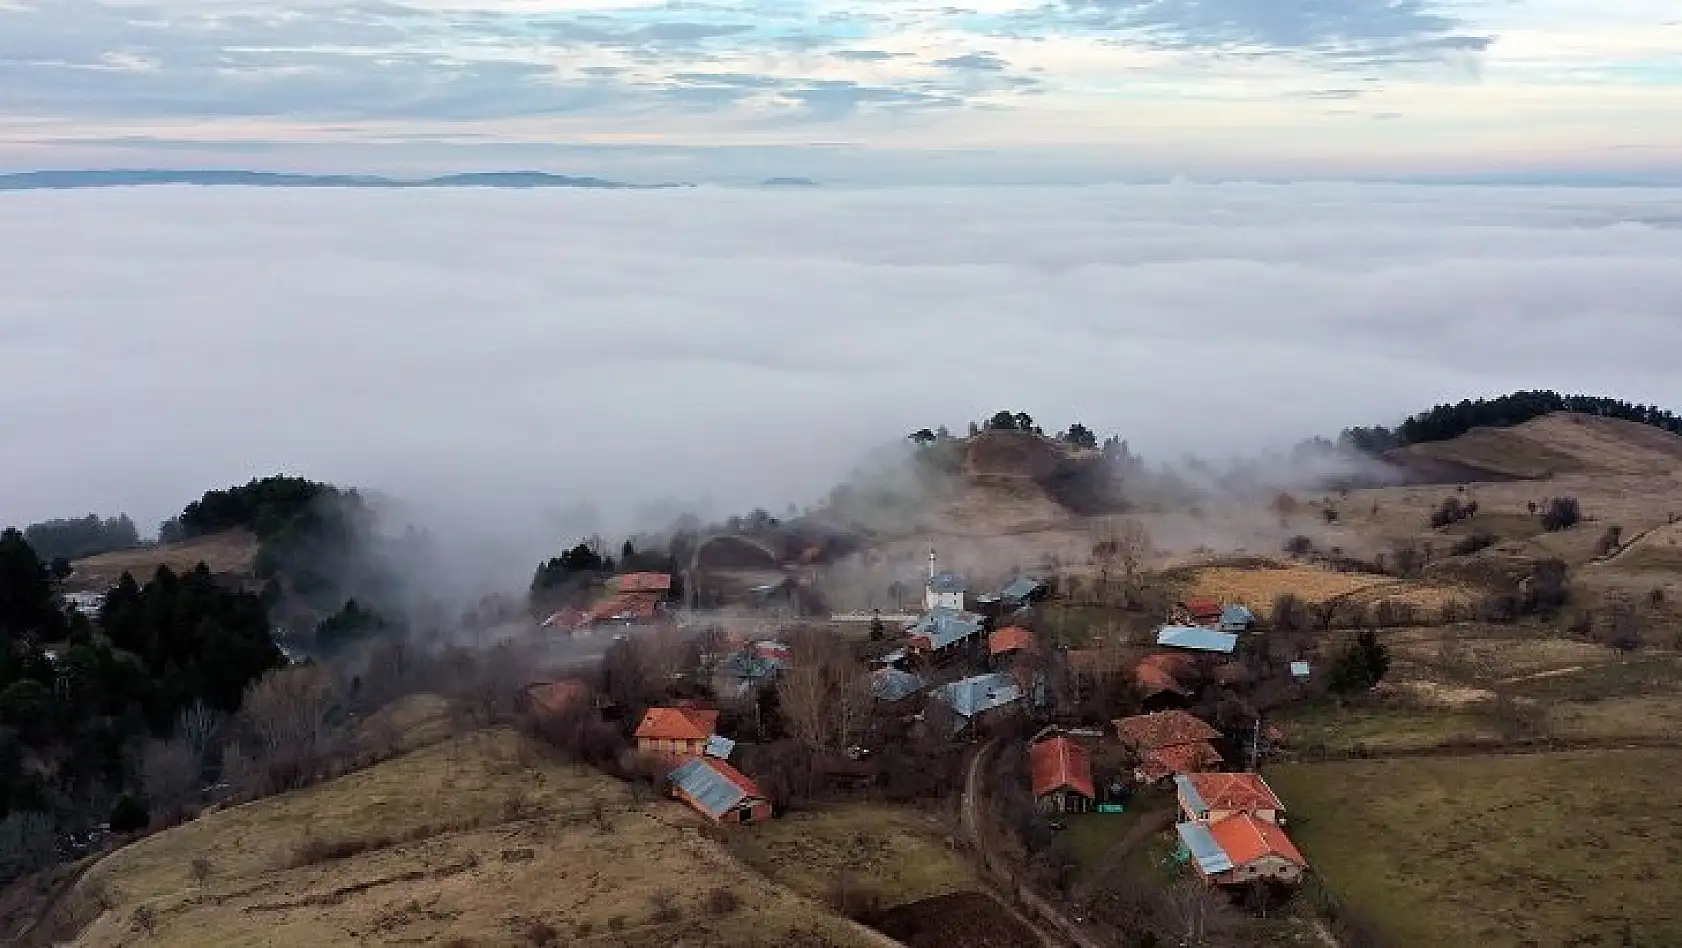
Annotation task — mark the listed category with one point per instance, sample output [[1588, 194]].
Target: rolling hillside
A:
[[231, 552], [483, 840], [1561, 443]]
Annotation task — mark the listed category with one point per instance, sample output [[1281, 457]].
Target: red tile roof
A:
[[1061, 764], [1247, 839], [1244, 792], [1144, 732], [677, 724], [1164, 672], [1202, 608], [644, 583], [1011, 638], [565, 619], [1166, 762], [555, 697], [638, 605]]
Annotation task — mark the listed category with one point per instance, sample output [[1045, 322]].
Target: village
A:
[[968, 675]]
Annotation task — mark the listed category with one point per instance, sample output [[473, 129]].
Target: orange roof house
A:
[[676, 732], [565, 620], [1203, 610], [1211, 797], [1242, 849], [1145, 732], [1011, 638], [1062, 772], [1164, 673], [1165, 762], [625, 607], [556, 697]]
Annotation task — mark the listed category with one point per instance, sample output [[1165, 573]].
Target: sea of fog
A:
[[542, 362]]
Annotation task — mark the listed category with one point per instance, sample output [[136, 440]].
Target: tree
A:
[[877, 628], [1360, 666], [29, 608], [75, 538], [1081, 436], [169, 777], [922, 436], [1003, 421], [1561, 513], [287, 718], [128, 816]]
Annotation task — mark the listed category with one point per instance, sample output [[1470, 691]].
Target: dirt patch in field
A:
[[1259, 586], [963, 918]]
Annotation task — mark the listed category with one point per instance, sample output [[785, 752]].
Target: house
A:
[[1242, 849], [675, 732], [746, 671], [565, 620], [944, 591], [719, 791], [941, 632], [720, 747], [1212, 797], [1008, 641], [972, 698], [625, 609], [1197, 639], [890, 685], [1168, 743], [1236, 619], [556, 697], [1205, 612], [1165, 680], [1021, 591], [1159, 764], [1062, 774]]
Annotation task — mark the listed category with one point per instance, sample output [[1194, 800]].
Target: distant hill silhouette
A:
[[788, 183], [60, 180]]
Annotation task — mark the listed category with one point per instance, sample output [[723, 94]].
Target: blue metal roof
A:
[[971, 696], [891, 684], [1197, 839], [720, 747], [945, 627], [1197, 639], [948, 583], [1188, 792], [1236, 618], [1299, 670], [1020, 588], [713, 791]]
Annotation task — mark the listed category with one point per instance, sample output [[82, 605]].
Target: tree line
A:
[[73, 538], [1448, 421]]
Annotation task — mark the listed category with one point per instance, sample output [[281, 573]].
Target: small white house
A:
[[943, 590]]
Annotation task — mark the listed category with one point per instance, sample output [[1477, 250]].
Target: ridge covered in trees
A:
[[75, 537], [1448, 421]]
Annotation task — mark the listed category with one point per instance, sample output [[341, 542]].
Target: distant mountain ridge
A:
[[63, 180]]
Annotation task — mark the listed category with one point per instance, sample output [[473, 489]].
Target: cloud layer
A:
[[510, 358]]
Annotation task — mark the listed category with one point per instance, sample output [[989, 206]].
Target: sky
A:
[[542, 364], [851, 91]]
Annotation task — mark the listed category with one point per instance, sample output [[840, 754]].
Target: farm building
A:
[[1008, 641], [973, 698], [720, 791], [1205, 612], [1197, 639], [1212, 797], [1241, 849], [565, 620], [553, 698], [676, 732], [1062, 772], [942, 632], [1157, 765], [1165, 680]]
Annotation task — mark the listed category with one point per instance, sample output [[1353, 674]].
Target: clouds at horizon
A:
[[519, 355], [1186, 82]]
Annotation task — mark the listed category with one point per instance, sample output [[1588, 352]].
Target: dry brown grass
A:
[[481, 840], [230, 552], [1561, 443], [1259, 587]]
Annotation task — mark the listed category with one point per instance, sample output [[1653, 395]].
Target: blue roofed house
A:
[[972, 698], [945, 591], [1236, 619], [942, 632], [890, 685], [1197, 639], [1021, 591], [746, 671], [719, 791]]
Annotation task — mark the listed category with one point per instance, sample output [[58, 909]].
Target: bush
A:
[[1562, 513], [1290, 613], [723, 901], [128, 816], [1609, 541], [542, 934], [201, 870], [1299, 545], [1453, 511], [666, 911], [1472, 543]]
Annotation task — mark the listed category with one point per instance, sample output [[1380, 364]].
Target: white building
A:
[[943, 590]]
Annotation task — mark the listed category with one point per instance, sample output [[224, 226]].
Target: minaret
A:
[[931, 564]]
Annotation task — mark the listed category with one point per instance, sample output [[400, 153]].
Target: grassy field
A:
[[899, 853], [231, 552], [1258, 588], [1384, 727], [480, 841], [1525, 850]]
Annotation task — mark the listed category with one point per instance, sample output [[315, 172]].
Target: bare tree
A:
[[199, 725], [288, 714], [1190, 914], [169, 775], [803, 693]]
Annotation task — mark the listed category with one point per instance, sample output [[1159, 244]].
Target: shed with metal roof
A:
[[720, 791], [1197, 639]]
